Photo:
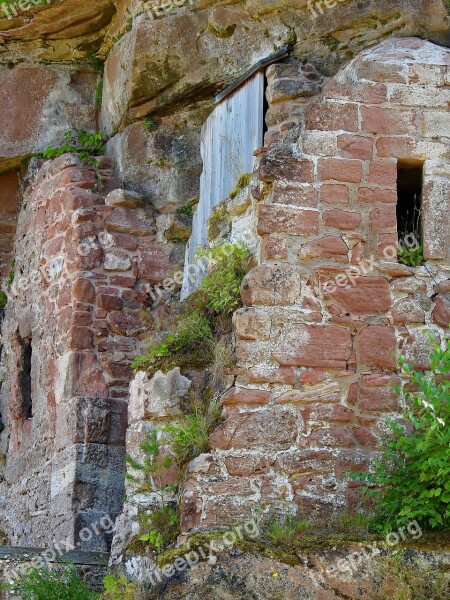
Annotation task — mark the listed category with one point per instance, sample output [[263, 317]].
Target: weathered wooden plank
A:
[[76, 557], [229, 137]]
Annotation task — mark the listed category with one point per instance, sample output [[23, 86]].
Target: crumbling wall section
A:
[[86, 255], [329, 308]]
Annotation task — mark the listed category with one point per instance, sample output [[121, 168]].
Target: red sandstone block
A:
[[328, 246], [251, 324], [384, 216], [395, 147], [383, 173], [334, 193], [331, 116], [342, 219], [83, 290], [407, 310], [355, 146], [235, 396], [362, 295], [295, 195], [84, 178], [340, 169], [378, 346], [387, 245], [353, 391], [123, 281], [277, 219], [378, 399], [274, 248], [441, 312], [316, 346], [368, 195], [108, 302], [124, 241], [388, 120], [81, 318], [372, 93], [331, 437], [80, 338], [365, 437], [280, 164], [284, 375]]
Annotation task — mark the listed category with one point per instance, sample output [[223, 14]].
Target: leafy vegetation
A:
[[118, 588], [149, 124], [77, 141], [412, 480], [3, 300], [189, 341], [413, 257], [59, 583]]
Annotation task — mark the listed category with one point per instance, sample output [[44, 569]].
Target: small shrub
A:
[[59, 583], [77, 141], [190, 436], [186, 209], [118, 588], [149, 124], [222, 285], [412, 480], [189, 343], [413, 257], [163, 525]]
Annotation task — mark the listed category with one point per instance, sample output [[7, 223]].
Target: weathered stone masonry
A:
[[316, 362], [77, 302]]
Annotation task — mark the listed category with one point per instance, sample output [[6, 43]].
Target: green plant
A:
[[58, 583], [118, 588], [149, 124], [163, 525], [83, 143], [190, 339], [190, 336], [282, 530], [223, 283], [243, 181], [3, 300], [99, 93], [412, 480], [190, 436], [412, 257], [186, 209]]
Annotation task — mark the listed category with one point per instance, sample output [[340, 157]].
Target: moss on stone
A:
[[219, 221], [222, 32]]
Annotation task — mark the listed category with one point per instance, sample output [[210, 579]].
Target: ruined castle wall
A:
[[84, 258], [317, 344]]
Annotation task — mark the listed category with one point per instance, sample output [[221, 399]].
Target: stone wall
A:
[[84, 260], [317, 345]]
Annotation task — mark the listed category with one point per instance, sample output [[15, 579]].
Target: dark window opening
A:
[[409, 200], [26, 352], [265, 107]]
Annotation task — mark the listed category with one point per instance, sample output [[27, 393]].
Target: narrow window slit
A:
[[409, 200], [26, 351]]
